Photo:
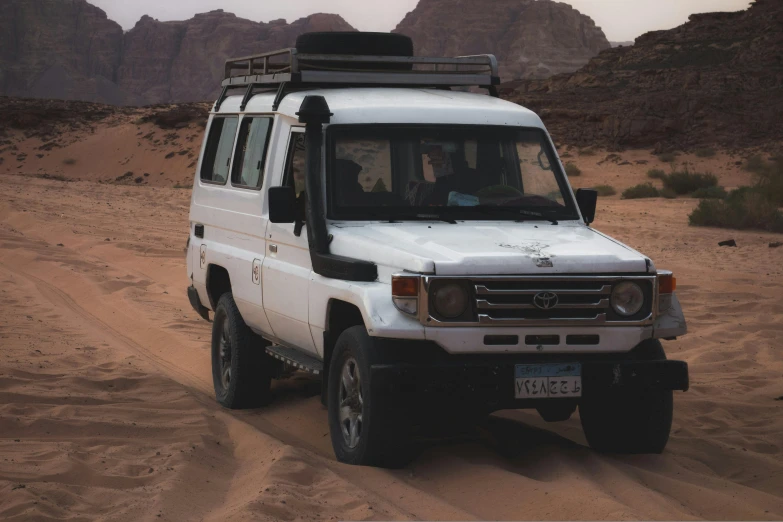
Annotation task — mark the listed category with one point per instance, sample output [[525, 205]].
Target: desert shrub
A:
[[706, 152], [645, 190], [572, 170], [180, 186], [710, 193], [667, 157], [656, 174], [769, 180], [685, 182], [177, 116], [667, 193], [748, 209], [69, 161], [605, 190], [755, 163]]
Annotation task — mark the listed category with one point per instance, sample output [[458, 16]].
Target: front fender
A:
[[671, 322], [374, 302]]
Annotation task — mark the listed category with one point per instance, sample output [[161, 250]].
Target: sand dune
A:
[[106, 407]]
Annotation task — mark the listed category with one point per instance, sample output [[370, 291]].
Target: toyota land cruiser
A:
[[359, 214]]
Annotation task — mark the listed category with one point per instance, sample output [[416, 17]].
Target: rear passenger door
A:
[[229, 206], [287, 267]]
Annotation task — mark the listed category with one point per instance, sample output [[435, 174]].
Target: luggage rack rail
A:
[[286, 68]]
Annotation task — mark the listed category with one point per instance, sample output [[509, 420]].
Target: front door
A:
[[287, 266]]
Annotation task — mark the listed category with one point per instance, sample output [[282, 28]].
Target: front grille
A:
[[515, 301], [545, 301]]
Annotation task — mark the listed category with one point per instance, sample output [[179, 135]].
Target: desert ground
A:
[[106, 401]]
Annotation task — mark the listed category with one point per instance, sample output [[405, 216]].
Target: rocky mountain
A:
[[185, 61], [531, 38], [717, 79], [59, 49], [69, 49]]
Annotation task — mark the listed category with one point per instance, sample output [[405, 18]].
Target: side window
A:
[[250, 155], [217, 157], [295, 164]]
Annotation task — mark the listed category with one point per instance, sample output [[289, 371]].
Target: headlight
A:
[[627, 298], [451, 301]]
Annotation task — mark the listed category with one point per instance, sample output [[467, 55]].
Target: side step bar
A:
[[296, 359]]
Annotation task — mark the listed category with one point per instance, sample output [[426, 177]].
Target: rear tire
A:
[[630, 422], [366, 428], [241, 369]]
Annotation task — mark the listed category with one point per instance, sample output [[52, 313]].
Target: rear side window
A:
[[250, 156], [217, 157]]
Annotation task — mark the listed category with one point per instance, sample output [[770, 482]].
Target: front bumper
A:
[[488, 382]]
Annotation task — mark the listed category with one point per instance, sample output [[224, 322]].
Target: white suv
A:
[[419, 247]]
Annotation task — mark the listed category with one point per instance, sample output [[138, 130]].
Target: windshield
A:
[[465, 172]]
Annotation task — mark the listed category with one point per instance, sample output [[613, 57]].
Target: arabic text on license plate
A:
[[542, 381]]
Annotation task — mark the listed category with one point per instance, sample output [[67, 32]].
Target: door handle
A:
[[273, 249]]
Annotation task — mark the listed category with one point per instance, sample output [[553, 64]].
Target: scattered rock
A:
[[776, 244], [139, 179], [728, 243], [170, 155], [60, 245], [20, 486]]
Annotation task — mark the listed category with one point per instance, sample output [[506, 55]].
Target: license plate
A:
[[547, 381]]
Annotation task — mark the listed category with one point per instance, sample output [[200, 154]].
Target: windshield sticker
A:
[[457, 199]]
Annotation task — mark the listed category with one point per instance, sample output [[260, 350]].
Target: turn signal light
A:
[[667, 283], [403, 286]]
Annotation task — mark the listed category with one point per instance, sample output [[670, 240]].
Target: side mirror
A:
[[282, 205], [587, 199]]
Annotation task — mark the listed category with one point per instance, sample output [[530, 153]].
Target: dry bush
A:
[[645, 190], [572, 170], [685, 182], [605, 190]]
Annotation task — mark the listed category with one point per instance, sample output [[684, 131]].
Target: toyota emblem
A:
[[545, 300]]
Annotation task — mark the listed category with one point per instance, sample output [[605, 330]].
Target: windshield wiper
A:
[[520, 214]]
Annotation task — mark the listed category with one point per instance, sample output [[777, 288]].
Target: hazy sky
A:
[[621, 20]]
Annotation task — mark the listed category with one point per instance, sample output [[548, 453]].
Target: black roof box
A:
[[357, 44]]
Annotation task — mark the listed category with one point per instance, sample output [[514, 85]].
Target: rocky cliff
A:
[[69, 49], [59, 49], [184, 61], [716, 79], [531, 38]]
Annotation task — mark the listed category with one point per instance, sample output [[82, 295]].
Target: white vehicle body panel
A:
[[486, 248], [291, 303]]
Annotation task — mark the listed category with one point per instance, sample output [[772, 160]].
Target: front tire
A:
[[241, 369], [366, 427], [630, 422]]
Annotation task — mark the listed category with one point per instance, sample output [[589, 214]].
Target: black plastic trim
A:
[[195, 302], [314, 113]]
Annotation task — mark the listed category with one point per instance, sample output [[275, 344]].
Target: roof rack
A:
[[287, 68]]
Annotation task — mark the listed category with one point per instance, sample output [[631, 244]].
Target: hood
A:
[[486, 248]]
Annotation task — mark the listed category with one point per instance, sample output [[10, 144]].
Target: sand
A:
[[106, 401]]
